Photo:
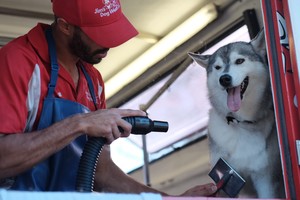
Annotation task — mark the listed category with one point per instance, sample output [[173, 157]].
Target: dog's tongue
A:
[[234, 99]]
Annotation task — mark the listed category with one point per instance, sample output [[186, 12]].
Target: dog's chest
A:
[[235, 144]]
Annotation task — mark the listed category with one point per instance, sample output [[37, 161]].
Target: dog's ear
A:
[[202, 60], [259, 43]]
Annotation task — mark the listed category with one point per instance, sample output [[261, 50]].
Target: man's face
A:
[[84, 48]]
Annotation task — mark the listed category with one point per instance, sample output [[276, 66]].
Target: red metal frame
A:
[[292, 45], [284, 84]]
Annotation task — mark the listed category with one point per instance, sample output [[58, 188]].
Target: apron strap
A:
[[54, 64], [55, 68], [90, 84]]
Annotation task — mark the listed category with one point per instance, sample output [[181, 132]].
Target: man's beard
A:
[[83, 51]]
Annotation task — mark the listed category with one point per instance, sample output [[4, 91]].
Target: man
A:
[[52, 98]]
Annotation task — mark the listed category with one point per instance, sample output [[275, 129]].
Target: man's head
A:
[[84, 48], [101, 20]]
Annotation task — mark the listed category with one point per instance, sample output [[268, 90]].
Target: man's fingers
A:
[[130, 112], [201, 190], [124, 127]]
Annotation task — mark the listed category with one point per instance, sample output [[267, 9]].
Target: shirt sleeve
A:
[[16, 66]]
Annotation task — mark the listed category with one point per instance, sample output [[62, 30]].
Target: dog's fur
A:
[[242, 127]]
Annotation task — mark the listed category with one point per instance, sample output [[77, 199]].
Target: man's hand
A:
[[106, 122], [201, 190]]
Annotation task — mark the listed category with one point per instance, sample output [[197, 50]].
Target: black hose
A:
[[87, 165], [92, 149]]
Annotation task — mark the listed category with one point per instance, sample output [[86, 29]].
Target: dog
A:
[[242, 128]]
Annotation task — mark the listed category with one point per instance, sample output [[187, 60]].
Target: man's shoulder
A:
[[16, 44], [24, 46], [16, 51]]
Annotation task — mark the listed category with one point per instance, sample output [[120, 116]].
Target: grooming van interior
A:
[[169, 149]]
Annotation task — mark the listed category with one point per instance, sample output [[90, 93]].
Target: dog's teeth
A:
[[244, 85]]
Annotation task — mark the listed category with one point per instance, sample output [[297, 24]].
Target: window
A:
[[184, 105]]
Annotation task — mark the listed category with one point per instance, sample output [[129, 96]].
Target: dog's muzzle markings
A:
[[225, 81], [235, 94]]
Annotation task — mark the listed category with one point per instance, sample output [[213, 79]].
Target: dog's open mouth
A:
[[244, 86], [236, 94]]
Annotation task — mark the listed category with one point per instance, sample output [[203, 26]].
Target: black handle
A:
[[144, 125]]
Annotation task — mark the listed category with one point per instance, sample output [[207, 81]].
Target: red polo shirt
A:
[[24, 77]]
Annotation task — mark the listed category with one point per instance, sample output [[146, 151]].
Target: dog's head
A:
[[236, 72]]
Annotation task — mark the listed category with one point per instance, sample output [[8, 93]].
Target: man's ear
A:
[[202, 60], [64, 26]]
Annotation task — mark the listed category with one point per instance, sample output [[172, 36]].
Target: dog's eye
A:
[[239, 61], [217, 67]]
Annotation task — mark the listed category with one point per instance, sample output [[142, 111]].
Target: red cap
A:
[[102, 20]]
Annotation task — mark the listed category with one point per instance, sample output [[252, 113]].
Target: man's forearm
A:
[[21, 151], [110, 178]]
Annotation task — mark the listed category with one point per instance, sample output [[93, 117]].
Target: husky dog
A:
[[242, 127]]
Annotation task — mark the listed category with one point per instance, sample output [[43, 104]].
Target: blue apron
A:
[[58, 172]]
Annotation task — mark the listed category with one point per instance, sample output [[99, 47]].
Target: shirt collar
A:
[[37, 38]]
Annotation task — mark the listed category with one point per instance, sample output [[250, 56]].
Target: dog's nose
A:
[[225, 80]]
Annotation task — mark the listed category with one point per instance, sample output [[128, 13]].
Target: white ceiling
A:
[[153, 19]]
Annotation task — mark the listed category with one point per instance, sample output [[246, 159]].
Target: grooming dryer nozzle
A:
[[143, 125]]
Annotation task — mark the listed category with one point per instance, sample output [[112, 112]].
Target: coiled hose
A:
[[92, 149]]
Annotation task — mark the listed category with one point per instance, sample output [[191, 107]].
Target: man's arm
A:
[[110, 178], [21, 151]]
